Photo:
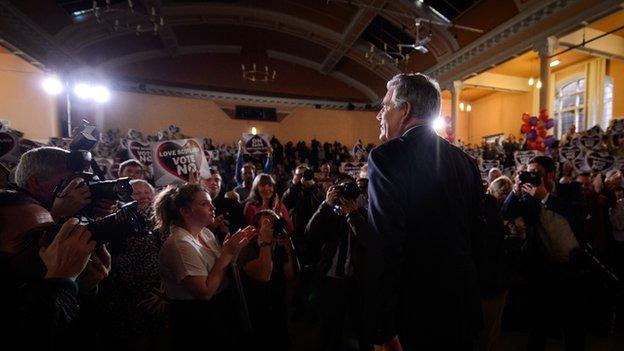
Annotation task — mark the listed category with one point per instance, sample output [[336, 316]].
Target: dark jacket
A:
[[425, 199], [301, 204], [494, 271]]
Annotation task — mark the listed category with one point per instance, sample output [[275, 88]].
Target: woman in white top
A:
[[193, 265]]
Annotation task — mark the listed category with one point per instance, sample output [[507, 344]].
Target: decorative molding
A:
[[184, 50], [237, 98], [486, 52]]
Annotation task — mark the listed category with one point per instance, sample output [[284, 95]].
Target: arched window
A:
[[570, 106]]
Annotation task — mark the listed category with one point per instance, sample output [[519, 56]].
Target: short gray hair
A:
[[144, 182], [500, 186], [40, 163], [422, 93]]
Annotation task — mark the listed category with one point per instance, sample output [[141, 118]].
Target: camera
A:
[[126, 221], [348, 190], [530, 177], [279, 227], [308, 175], [118, 189]]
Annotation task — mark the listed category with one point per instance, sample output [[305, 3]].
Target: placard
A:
[[523, 157], [486, 166], [599, 161], [175, 160], [9, 147], [140, 151], [256, 144], [352, 168]]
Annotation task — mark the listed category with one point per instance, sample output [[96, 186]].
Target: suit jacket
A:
[[425, 198]]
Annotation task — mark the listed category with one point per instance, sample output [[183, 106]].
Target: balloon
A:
[[550, 140], [525, 128], [533, 121], [525, 117], [543, 117], [550, 123], [531, 135], [542, 132]]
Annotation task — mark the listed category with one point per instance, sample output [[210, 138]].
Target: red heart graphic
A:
[[141, 152], [7, 143], [180, 160]]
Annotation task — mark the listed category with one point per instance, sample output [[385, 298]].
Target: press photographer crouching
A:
[[47, 271], [268, 263], [347, 266]]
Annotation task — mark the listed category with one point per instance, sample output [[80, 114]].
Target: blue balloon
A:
[[550, 140], [533, 121], [532, 135]]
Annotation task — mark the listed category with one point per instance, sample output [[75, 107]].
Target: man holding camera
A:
[[43, 284], [339, 229], [554, 219]]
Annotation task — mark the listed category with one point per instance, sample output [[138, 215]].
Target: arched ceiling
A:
[[317, 47]]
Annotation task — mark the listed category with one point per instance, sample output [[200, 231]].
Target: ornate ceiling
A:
[[317, 47]]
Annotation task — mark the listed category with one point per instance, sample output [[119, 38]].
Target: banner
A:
[[599, 161], [352, 168], [256, 144], [570, 153], [10, 151], [523, 157], [175, 160], [140, 151]]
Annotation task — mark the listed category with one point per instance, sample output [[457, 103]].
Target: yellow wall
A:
[[198, 118], [615, 69], [497, 113], [22, 101]]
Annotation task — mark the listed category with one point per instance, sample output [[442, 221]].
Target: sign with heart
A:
[[523, 157], [486, 166], [9, 147], [599, 161], [140, 151], [175, 160], [570, 153], [256, 144], [618, 126], [590, 141], [352, 168]]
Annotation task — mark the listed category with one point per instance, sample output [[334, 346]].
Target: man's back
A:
[[425, 203]]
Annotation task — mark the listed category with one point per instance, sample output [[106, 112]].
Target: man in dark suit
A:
[[425, 200]]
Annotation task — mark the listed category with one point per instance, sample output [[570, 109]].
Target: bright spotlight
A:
[[52, 85], [100, 93], [83, 91], [439, 123], [554, 63], [468, 107], [254, 131]]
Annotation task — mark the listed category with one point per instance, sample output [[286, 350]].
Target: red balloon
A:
[[525, 117], [542, 132], [543, 117], [525, 128]]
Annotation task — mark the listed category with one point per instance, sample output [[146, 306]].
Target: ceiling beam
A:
[[166, 34], [352, 33]]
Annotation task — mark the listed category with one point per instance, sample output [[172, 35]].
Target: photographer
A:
[[554, 230], [40, 174], [268, 263], [346, 266], [43, 286]]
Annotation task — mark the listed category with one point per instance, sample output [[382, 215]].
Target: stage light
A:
[[254, 131], [538, 85], [554, 63], [531, 81], [439, 123], [100, 94], [461, 106], [469, 108], [83, 91], [52, 85]]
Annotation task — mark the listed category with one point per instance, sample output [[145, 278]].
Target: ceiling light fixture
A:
[[554, 62], [531, 81], [258, 75]]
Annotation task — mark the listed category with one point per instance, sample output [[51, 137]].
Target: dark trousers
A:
[[557, 304], [340, 311]]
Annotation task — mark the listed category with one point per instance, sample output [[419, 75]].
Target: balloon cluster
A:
[[536, 130]]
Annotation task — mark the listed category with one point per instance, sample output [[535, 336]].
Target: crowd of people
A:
[[414, 251]]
